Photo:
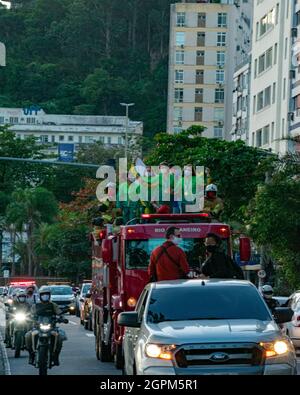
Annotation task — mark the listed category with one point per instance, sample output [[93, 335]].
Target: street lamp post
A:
[[127, 105]]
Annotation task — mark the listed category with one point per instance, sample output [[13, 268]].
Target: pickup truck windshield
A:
[[138, 251], [206, 303]]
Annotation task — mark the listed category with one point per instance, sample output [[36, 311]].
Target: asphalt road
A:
[[77, 356]]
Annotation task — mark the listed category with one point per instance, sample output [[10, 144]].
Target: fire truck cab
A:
[[119, 268]]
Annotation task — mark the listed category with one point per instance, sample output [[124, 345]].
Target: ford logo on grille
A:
[[219, 357]]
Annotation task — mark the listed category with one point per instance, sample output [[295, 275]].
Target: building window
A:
[[178, 95], [258, 138], [179, 58], [13, 120], [201, 39], [180, 38], [108, 140], [198, 114], [200, 58], [88, 139], [80, 139], [264, 98], [70, 138], [44, 139], [179, 76], [180, 22], [61, 138], [30, 120], [220, 77], [266, 135], [2, 120], [221, 58], [265, 61], [120, 141], [201, 19], [219, 96], [266, 23], [177, 113], [52, 139], [221, 39], [200, 77], [101, 139], [199, 95], [219, 114], [222, 19], [218, 132]]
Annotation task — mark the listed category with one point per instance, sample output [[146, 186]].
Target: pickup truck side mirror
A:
[[129, 319]]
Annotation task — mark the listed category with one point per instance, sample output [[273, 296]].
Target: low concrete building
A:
[[52, 129]]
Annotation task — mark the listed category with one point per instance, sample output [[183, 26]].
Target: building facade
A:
[[73, 129], [206, 43], [275, 77]]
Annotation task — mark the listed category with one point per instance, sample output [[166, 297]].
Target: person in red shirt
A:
[[168, 261]]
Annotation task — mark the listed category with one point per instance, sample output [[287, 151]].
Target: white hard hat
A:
[[211, 188], [268, 289]]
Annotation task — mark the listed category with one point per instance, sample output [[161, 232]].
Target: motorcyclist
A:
[[8, 316], [45, 308], [268, 293], [18, 304], [31, 296]]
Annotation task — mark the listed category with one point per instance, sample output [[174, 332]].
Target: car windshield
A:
[[138, 251], [61, 291], [86, 288], [12, 289], [206, 303]]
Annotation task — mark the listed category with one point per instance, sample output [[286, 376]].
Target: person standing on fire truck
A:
[[168, 262]]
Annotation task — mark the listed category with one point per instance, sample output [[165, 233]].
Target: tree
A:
[[234, 167], [274, 219], [28, 210]]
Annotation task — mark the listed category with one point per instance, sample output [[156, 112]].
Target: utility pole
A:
[[127, 105], [3, 64]]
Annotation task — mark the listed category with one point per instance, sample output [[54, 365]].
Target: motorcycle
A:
[[45, 346], [19, 326]]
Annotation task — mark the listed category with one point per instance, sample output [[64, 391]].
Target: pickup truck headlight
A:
[[274, 349], [160, 351]]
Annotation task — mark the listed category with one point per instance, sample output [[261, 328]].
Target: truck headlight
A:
[[273, 349], [160, 351]]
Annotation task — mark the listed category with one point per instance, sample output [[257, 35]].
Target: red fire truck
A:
[[120, 262]]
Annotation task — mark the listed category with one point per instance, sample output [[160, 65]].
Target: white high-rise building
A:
[[275, 76], [207, 40]]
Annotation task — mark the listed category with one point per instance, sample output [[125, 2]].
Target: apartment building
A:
[[275, 76], [207, 41]]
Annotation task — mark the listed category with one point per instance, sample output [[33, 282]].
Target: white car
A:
[[292, 328], [205, 327]]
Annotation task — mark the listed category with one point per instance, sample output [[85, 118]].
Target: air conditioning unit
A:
[[221, 123], [291, 116], [221, 66], [182, 46], [294, 32], [221, 85], [292, 74]]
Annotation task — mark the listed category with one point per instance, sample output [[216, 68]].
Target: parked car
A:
[[195, 327], [86, 312], [80, 297], [63, 296]]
